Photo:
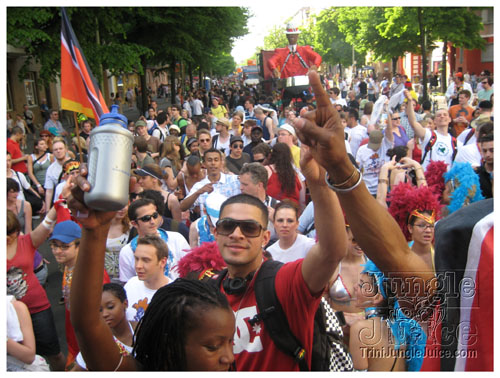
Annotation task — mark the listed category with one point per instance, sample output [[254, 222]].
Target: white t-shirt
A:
[[52, 175], [176, 244], [370, 162], [139, 297], [357, 134], [469, 154], [441, 151], [463, 135], [298, 250], [197, 107]]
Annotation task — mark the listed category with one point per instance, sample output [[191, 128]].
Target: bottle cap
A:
[[113, 117]]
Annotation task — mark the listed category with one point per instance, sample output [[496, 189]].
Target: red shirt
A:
[[293, 66], [253, 348], [21, 281], [15, 151], [275, 190]]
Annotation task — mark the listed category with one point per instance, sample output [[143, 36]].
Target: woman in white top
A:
[[221, 140], [118, 235], [39, 162], [290, 245]]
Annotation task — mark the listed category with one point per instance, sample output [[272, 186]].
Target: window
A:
[[9, 94], [487, 54], [30, 89], [487, 16]]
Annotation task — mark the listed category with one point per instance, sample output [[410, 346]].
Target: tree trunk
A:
[[144, 88], [423, 42], [190, 71], [394, 65], [444, 82], [200, 79], [172, 80]]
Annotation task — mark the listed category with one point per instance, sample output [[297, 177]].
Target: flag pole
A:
[[78, 137]]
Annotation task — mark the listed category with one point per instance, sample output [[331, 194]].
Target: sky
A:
[[265, 17]]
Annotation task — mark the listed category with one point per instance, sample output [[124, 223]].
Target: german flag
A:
[[79, 89]]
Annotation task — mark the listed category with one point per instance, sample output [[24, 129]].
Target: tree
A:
[[331, 42]]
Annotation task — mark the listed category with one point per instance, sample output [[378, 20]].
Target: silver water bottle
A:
[[110, 155]]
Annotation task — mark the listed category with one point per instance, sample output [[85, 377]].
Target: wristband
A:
[[383, 181], [47, 224], [38, 185]]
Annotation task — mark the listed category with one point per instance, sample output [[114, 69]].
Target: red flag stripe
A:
[[475, 339], [79, 89]]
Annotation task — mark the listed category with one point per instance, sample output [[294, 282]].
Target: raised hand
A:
[[322, 131]]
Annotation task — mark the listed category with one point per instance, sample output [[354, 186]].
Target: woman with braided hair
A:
[[188, 325]]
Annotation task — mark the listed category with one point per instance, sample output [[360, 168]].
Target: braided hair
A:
[[161, 334]]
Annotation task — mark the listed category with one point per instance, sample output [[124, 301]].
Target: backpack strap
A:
[[429, 145], [273, 316], [454, 146], [469, 135]]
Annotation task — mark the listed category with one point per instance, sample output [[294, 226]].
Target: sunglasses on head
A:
[[249, 228], [147, 218]]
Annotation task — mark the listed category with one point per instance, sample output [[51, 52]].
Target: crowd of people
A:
[[345, 188]]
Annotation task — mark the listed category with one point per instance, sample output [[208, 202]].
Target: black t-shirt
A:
[[235, 165], [362, 87]]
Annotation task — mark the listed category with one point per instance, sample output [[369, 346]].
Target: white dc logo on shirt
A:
[[246, 337], [442, 149]]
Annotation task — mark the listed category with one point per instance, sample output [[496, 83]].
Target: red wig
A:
[[405, 198], [199, 259]]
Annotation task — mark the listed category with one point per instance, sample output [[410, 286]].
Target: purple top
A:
[[400, 140], [37, 259]]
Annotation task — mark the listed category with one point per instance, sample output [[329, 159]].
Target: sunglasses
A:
[[249, 228], [259, 160], [237, 145], [63, 247], [147, 218], [395, 119]]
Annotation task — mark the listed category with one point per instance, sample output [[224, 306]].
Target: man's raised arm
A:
[[374, 228]]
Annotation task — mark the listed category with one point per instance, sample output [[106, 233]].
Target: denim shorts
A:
[[47, 342]]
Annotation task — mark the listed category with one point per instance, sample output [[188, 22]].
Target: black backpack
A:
[[329, 353]]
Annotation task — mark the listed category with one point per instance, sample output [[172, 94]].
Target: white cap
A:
[[288, 128], [212, 206]]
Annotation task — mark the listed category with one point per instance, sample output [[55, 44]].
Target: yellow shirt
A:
[[296, 155]]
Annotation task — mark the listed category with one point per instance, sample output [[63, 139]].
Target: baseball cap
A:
[[235, 138], [190, 141], [459, 74], [66, 232], [149, 170], [375, 140], [140, 123], [288, 128]]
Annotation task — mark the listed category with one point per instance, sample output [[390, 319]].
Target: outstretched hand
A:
[[322, 131]]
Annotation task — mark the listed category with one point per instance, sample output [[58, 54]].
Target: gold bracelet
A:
[[346, 188], [346, 181]]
